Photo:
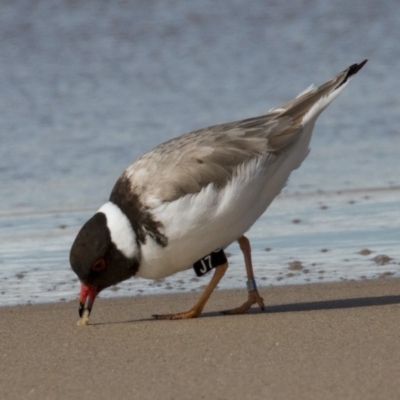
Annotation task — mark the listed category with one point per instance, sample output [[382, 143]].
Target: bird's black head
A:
[[97, 261]]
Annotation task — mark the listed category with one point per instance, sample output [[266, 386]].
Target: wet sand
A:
[[321, 341]]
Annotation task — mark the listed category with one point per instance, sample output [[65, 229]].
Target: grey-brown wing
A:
[[190, 162]]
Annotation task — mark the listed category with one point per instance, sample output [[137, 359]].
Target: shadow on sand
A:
[[295, 307]]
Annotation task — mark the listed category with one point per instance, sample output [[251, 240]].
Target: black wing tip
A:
[[352, 70]]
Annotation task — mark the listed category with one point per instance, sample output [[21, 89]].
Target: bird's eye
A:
[[99, 265]]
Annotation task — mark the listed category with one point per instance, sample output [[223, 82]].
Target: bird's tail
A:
[[310, 103]]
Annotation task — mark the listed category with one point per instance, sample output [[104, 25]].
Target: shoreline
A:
[[299, 240], [325, 340], [197, 293]]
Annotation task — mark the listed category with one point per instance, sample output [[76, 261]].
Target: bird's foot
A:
[[254, 297], [193, 313]]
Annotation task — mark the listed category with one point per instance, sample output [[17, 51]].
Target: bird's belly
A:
[[196, 225]]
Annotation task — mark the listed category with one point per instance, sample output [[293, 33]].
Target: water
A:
[[87, 87]]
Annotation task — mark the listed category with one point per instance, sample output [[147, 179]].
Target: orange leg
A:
[[253, 297], [196, 310]]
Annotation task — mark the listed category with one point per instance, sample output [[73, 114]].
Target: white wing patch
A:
[[309, 89], [321, 104]]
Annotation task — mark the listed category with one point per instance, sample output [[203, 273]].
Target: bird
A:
[[191, 197]]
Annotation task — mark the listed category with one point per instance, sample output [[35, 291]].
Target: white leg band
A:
[[251, 285]]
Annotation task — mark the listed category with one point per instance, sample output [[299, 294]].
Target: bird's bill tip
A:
[[87, 297]]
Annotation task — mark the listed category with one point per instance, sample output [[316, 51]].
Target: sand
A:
[[321, 341]]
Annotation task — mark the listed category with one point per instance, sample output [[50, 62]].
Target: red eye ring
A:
[[99, 265]]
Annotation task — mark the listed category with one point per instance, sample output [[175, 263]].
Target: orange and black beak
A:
[[86, 298]]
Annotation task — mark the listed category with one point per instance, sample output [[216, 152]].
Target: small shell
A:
[[85, 319]]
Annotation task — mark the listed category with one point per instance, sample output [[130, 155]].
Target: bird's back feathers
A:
[[187, 164]]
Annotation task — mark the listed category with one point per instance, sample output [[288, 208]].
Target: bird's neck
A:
[[121, 230]]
